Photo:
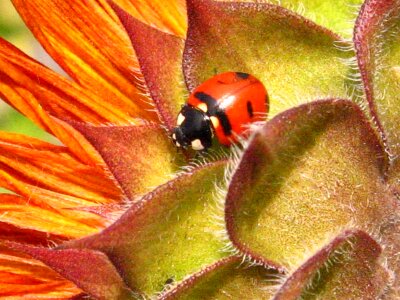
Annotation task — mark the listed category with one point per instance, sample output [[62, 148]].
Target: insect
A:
[[222, 105]]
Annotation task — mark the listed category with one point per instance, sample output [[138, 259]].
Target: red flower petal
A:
[[24, 277], [168, 16], [94, 50], [90, 270], [51, 183]]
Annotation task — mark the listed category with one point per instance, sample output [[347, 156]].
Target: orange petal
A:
[[23, 277], [168, 16], [17, 234], [162, 70], [94, 49], [140, 157], [19, 212], [90, 270], [38, 92], [54, 187], [53, 168], [76, 143], [58, 96]]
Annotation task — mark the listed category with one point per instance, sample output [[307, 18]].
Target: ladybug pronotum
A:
[[222, 105]]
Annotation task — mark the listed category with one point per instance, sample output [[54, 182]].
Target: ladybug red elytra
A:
[[223, 105]]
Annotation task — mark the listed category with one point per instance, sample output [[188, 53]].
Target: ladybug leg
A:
[[200, 154], [204, 151]]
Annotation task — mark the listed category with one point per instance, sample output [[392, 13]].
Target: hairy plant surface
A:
[[306, 208]]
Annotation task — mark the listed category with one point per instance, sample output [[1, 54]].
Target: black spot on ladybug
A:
[[223, 118], [212, 111], [207, 99], [250, 109], [242, 75]]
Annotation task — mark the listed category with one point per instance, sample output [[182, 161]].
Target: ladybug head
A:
[[193, 129]]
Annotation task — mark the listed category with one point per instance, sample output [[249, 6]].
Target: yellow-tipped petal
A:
[[23, 81], [168, 16], [23, 277], [94, 50], [54, 187]]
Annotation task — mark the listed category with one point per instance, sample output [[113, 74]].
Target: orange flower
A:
[[58, 190]]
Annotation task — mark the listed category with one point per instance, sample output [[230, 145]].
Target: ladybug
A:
[[222, 105]]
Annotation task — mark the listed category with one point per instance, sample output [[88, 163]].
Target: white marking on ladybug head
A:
[[215, 122], [180, 119], [197, 145], [203, 107], [174, 137]]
